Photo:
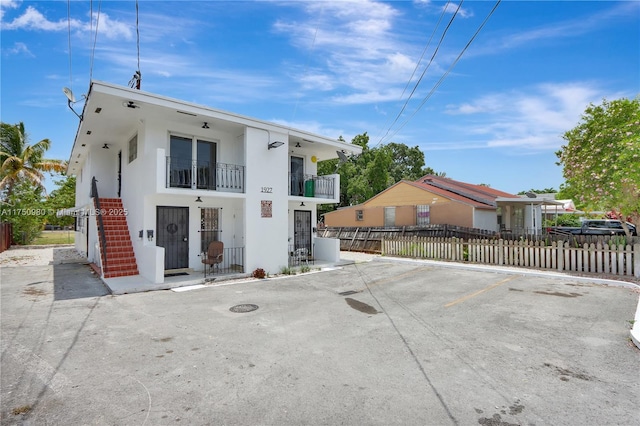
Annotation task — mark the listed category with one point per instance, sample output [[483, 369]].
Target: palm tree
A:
[[21, 161]]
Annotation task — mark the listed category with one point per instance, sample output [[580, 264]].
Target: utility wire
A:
[[439, 82], [415, 87], [95, 39], [415, 69], [69, 37]]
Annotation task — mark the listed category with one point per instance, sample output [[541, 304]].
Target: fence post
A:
[[636, 260], [560, 256]]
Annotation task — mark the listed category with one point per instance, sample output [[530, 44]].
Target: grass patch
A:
[[55, 237]]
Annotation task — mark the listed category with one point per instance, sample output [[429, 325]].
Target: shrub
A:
[[304, 269], [259, 273], [287, 271]]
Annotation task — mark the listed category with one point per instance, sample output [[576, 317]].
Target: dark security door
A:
[[302, 229], [297, 176], [172, 225]]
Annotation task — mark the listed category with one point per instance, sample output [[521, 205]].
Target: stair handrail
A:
[[103, 237]]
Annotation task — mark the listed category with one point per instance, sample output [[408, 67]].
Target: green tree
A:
[[406, 163], [600, 160], [61, 198], [539, 191], [21, 161], [23, 207], [374, 170]]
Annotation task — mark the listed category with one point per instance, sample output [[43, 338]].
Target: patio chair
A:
[[301, 255], [213, 257]]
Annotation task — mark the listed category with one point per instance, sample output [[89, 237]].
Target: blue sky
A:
[[341, 68]]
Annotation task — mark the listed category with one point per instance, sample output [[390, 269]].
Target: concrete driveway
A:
[[413, 345]]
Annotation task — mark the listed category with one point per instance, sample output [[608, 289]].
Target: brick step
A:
[[120, 254], [120, 274], [118, 246], [120, 265]]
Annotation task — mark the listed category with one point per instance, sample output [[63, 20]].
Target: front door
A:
[[172, 232], [302, 229]]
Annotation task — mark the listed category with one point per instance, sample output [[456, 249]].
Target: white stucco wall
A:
[[266, 237]]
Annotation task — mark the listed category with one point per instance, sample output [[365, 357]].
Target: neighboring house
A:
[[437, 200], [170, 177]]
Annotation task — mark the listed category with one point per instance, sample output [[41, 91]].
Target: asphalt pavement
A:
[[375, 343]]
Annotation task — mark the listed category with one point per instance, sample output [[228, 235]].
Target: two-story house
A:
[[159, 179]]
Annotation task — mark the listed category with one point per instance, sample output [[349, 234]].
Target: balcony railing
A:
[[302, 185], [191, 174]]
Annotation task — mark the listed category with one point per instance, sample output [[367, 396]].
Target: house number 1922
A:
[[266, 189]]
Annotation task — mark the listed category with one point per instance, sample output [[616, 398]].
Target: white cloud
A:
[[107, 27], [19, 49], [533, 120], [355, 45], [451, 8], [7, 4], [34, 20]]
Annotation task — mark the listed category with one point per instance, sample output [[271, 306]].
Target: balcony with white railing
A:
[[303, 185], [192, 174]]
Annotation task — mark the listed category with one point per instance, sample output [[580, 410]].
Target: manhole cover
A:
[[245, 307]]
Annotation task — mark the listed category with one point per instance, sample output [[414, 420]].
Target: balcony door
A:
[[192, 163], [180, 162], [297, 176], [206, 164]]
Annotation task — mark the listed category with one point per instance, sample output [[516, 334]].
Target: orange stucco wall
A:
[[404, 197], [452, 214]]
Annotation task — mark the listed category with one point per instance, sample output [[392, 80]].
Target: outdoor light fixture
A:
[[198, 200], [302, 204], [298, 145], [149, 234], [275, 144], [130, 104], [105, 146], [205, 125], [141, 234]]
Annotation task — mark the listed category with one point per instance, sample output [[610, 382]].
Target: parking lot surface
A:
[[375, 343]]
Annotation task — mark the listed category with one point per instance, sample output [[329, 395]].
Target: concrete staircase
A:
[[118, 258]]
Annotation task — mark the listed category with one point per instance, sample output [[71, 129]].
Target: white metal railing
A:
[[184, 173]]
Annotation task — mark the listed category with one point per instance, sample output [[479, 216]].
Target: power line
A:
[[95, 39], [69, 37], [415, 87], [442, 78], [426, 47]]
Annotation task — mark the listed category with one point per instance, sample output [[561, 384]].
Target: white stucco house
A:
[[164, 177]]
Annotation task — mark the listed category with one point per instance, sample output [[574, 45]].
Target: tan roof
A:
[[479, 196]]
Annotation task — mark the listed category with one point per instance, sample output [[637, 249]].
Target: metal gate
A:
[[302, 229], [172, 229]]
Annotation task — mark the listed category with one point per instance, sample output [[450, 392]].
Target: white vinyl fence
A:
[[599, 258]]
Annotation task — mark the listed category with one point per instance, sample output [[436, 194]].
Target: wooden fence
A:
[[594, 258], [6, 232], [368, 239]]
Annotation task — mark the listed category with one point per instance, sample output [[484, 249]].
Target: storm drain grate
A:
[[243, 308], [348, 292]]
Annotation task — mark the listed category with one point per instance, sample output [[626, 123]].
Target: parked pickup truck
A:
[[594, 227]]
